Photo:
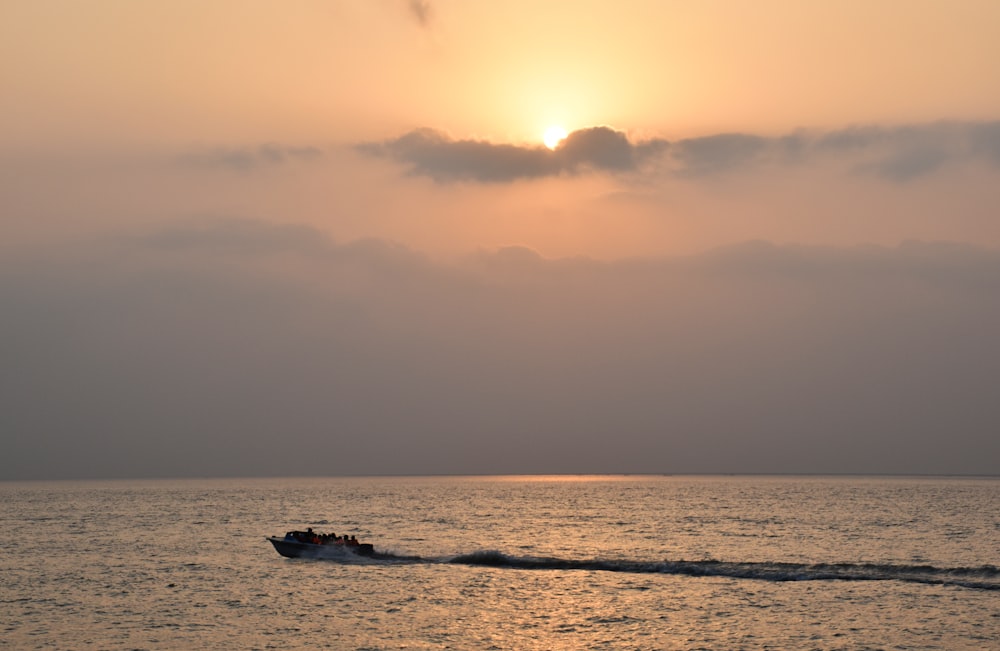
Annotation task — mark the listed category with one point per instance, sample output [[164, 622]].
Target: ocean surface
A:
[[548, 563]]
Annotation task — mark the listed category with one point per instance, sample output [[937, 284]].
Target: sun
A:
[[553, 136]]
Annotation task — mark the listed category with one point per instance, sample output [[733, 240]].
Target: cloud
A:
[[718, 153], [240, 347], [904, 153], [242, 236], [432, 153], [421, 11], [985, 139], [244, 159], [898, 154], [603, 148]]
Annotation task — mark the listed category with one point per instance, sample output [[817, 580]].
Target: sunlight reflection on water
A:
[[166, 565]]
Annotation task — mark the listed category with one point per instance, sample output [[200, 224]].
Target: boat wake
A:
[[986, 577]]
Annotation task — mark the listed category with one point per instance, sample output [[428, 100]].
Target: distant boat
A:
[[309, 544]]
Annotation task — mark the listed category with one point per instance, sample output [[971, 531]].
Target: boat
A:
[[309, 544]]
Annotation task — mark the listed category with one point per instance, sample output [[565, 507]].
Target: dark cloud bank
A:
[[898, 154], [433, 153], [245, 348]]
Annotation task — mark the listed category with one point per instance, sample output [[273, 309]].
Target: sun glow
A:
[[553, 136]]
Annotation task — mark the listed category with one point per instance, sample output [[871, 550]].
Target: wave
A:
[[986, 577], [983, 577]]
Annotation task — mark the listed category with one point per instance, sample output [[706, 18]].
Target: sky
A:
[[322, 237]]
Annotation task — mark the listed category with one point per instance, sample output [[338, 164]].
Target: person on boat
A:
[[353, 542]]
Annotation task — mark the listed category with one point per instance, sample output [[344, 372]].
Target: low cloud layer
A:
[[896, 154], [240, 347]]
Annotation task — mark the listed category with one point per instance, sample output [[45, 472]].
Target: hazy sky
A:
[[325, 237]]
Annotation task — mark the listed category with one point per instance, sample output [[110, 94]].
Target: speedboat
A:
[[308, 544]]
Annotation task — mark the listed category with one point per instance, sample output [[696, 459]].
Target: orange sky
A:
[[187, 71], [113, 85], [342, 70]]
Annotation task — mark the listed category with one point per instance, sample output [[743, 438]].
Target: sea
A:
[[522, 562]]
